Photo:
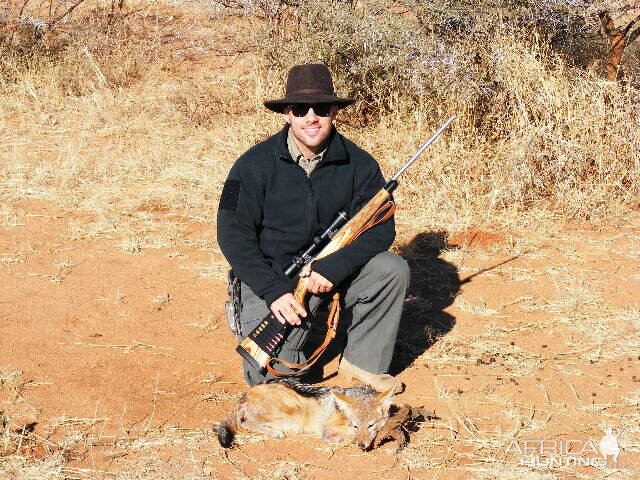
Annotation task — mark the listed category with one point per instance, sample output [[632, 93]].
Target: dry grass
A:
[[131, 149]]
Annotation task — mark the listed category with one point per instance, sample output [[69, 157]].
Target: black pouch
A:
[[232, 306]]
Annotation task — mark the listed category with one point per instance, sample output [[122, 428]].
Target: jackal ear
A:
[[385, 399], [343, 401]]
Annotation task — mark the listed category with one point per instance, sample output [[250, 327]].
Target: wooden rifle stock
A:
[[377, 210], [265, 339]]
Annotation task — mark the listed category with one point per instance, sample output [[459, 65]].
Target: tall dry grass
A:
[[537, 131], [112, 116]]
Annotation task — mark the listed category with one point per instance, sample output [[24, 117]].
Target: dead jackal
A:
[[281, 407]]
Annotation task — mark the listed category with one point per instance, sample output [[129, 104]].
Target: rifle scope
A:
[[319, 241]]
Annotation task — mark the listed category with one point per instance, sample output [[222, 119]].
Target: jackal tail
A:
[[226, 430]]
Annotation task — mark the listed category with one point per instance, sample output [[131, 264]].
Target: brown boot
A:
[[380, 381]]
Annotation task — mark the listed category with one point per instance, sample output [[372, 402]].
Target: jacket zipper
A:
[[312, 213], [310, 202]]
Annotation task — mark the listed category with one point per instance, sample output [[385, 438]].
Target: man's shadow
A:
[[434, 286]]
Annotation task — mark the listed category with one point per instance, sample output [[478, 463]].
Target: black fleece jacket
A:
[[270, 210]]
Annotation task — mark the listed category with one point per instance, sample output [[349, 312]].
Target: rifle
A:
[[262, 343]]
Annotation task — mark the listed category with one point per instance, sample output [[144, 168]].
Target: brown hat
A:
[[308, 84]]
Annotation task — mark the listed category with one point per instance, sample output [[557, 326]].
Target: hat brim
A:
[[279, 105]]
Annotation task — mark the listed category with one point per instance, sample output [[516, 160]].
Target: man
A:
[[289, 188]]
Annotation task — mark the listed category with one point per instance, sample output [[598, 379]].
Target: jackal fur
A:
[[284, 407]]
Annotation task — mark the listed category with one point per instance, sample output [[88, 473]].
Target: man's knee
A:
[[389, 264]]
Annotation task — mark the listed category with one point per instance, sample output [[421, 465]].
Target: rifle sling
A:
[[332, 327], [383, 214]]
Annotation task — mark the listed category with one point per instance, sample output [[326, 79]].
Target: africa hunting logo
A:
[[563, 453]]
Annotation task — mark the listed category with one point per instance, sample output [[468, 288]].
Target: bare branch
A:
[[630, 26], [616, 46], [24, 5], [69, 10]]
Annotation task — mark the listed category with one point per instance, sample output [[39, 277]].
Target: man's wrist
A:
[[318, 268]]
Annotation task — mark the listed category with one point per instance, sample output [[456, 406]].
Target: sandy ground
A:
[[124, 362]]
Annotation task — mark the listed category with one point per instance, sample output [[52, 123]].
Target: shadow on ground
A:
[[434, 286]]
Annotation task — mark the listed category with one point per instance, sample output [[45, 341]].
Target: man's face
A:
[[310, 128]]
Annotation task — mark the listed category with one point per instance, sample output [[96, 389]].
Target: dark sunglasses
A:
[[320, 109]]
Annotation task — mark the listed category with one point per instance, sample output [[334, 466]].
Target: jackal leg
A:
[[264, 428], [337, 434]]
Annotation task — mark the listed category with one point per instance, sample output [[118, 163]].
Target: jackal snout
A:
[[367, 415]]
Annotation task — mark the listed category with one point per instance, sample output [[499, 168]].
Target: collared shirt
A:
[[308, 164]]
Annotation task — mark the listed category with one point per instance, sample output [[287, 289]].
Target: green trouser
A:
[[372, 305]]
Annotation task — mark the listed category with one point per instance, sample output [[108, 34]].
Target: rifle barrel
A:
[[422, 149]]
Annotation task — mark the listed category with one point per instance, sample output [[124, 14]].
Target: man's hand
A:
[[317, 283], [287, 309]]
